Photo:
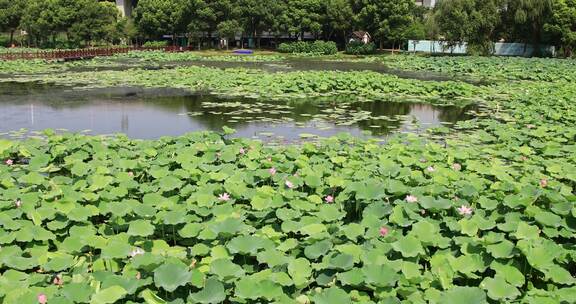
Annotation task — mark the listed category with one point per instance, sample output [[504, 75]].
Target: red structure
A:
[[84, 53]]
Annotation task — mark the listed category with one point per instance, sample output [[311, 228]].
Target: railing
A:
[[84, 53]]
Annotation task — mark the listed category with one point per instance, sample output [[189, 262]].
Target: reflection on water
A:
[[145, 113]]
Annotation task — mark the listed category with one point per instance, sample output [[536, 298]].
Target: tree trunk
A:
[[536, 41], [11, 38]]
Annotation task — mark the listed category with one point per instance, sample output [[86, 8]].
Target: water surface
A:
[[152, 113]]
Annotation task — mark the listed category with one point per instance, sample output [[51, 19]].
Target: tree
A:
[[529, 17], [387, 20], [155, 18], [11, 15], [303, 16], [94, 21], [338, 19], [470, 21], [228, 29], [258, 16], [562, 25], [40, 20]]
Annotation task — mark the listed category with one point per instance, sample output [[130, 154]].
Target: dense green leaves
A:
[[486, 215]]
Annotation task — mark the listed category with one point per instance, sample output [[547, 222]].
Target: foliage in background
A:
[[315, 47], [360, 48], [155, 44], [81, 22]]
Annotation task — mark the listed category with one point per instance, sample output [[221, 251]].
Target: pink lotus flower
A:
[[543, 183], [530, 126], [130, 173], [224, 197], [9, 162], [289, 184], [42, 298], [430, 169], [329, 199], [242, 151], [58, 281], [523, 158], [272, 171], [456, 167], [137, 251], [269, 159], [465, 210], [138, 275], [18, 203], [411, 198], [423, 160], [384, 231], [218, 154]]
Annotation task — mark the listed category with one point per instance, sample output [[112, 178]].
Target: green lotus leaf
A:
[[559, 275], [169, 182], [108, 295], [499, 289], [141, 228], [341, 261], [151, 298], [317, 249], [313, 181], [353, 231], [353, 277], [171, 275], [300, 271], [248, 288], [502, 250], [272, 257], [468, 295], [228, 226], [316, 230], [330, 213], [380, 275], [332, 295], [510, 273], [212, 293], [59, 263], [190, 230], [548, 219], [248, 244], [77, 292], [408, 246], [527, 232], [226, 269]]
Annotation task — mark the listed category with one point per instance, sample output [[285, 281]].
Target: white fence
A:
[[500, 48]]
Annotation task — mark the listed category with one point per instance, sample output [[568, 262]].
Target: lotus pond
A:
[[484, 212]]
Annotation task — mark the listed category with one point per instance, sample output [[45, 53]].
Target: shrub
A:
[[359, 48], [155, 44], [316, 47]]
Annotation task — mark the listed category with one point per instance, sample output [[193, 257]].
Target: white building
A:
[[426, 3]]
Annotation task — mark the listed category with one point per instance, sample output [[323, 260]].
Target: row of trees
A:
[[387, 21], [62, 23], [476, 22], [390, 22], [481, 22]]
